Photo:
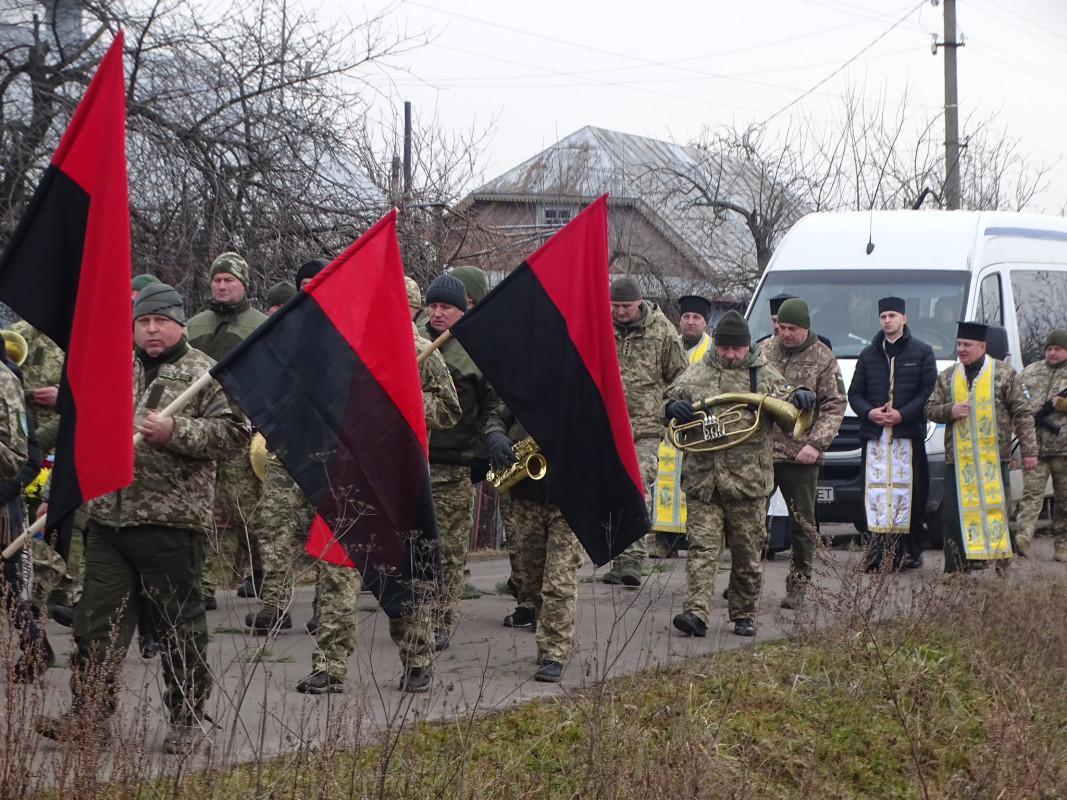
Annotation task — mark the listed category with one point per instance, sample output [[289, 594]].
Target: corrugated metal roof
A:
[[649, 173]]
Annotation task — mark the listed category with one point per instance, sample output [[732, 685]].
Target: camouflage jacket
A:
[[462, 442], [650, 357], [174, 483], [13, 431], [813, 366], [439, 398], [43, 367], [745, 471], [1012, 410], [1041, 382], [218, 332]]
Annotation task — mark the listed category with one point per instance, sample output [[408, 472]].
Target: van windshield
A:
[[844, 305]]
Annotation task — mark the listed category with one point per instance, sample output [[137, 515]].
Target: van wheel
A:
[[935, 533]]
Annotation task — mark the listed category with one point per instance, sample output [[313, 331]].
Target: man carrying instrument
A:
[[650, 357], [894, 377], [1045, 385], [979, 400], [547, 553], [727, 489], [454, 450], [796, 352]]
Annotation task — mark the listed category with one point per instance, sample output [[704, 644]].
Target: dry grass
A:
[[957, 692]]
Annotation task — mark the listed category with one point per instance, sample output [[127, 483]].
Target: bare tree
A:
[[239, 125]]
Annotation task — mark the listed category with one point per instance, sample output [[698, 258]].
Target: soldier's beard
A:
[[733, 363]]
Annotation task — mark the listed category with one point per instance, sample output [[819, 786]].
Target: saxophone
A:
[[529, 463]]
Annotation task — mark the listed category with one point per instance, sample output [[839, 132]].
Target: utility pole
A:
[[952, 109]]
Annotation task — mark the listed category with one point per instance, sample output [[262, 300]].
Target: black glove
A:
[[804, 399], [500, 452], [681, 410]]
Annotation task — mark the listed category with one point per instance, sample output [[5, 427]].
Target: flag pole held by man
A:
[[543, 338], [74, 238], [331, 382]]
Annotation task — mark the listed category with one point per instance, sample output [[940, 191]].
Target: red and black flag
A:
[[66, 271], [331, 382], [544, 339]]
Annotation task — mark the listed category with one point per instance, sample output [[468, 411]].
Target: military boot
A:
[[1059, 552], [1022, 546]]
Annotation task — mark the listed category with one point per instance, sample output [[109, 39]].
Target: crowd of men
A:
[[201, 478]]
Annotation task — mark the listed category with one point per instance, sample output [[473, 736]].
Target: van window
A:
[[1040, 305], [990, 308], [844, 305]]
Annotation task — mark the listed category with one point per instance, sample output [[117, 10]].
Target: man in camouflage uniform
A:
[[796, 352], [1011, 411], [151, 536], [1045, 385], [455, 450], [41, 372], [20, 461], [337, 587], [547, 553], [650, 357], [727, 490], [216, 330]]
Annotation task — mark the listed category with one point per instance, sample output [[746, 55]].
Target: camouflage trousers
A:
[[336, 611], [745, 524], [453, 504], [797, 483], [648, 461], [281, 521], [1034, 483], [547, 558], [237, 493]]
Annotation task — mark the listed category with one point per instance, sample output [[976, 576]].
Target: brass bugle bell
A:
[[529, 463], [712, 430], [15, 345]]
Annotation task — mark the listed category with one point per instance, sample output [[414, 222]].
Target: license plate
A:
[[824, 494]]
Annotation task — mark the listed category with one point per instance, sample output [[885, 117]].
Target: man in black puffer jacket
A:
[[895, 375]]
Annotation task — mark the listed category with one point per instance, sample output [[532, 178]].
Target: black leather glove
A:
[[680, 410], [500, 452], [804, 399]]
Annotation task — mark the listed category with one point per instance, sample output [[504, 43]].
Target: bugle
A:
[[712, 429]]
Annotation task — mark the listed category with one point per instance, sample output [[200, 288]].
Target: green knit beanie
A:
[[279, 293], [1056, 336], [732, 331], [141, 281], [794, 311], [473, 280], [233, 264]]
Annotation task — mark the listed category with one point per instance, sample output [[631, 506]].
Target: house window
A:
[[555, 217]]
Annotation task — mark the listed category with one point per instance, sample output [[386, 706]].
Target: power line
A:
[[847, 63]]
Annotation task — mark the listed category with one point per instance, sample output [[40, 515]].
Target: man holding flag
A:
[[563, 384], [152, 535]]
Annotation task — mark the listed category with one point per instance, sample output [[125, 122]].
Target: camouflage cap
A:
[[233, 264], [414, 292]]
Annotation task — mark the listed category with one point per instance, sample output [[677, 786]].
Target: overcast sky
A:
[[540, 71]]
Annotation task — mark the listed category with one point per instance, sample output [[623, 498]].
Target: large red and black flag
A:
[[544, 339], [331, 382], [66, 271]]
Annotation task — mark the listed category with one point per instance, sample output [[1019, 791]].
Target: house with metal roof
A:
[[662, 229]]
